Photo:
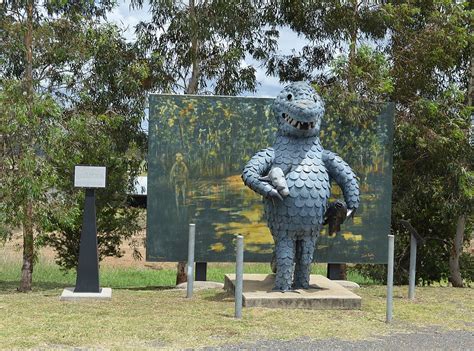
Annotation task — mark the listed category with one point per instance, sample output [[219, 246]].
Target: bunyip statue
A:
[[294, 178]]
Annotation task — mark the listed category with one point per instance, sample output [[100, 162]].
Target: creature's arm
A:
[[258, 166], [344, 176]]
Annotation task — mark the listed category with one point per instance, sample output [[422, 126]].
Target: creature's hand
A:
[[274, 194]]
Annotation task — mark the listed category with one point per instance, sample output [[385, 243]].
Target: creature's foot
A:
[[300, 285], [301, 278], [282, 290]]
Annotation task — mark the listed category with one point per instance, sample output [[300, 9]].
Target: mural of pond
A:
[[198, 146]]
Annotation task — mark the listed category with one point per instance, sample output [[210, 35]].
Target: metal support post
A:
[[391, 250], [239, 276], [190, 268], [412, 280]]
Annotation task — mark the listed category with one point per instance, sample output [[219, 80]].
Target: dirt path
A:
[[420, 340]]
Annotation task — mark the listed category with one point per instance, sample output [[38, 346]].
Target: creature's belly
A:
[[302, 211]]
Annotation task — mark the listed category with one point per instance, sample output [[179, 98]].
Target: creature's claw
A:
[[351, 212], [275, 194]]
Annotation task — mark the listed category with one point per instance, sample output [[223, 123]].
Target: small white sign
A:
[[89, 177]]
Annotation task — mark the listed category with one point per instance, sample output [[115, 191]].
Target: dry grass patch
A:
[[164, 318]]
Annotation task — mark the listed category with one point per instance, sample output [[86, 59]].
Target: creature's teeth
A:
[[294, 123]]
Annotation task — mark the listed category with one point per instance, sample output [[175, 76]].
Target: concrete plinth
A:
[[69, 295], [201, 285], [323, 294]]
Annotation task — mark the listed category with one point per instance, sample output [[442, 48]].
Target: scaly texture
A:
[[295, 219]]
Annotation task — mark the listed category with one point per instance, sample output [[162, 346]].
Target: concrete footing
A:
[[323, 294], [201, 285], [69, 295]]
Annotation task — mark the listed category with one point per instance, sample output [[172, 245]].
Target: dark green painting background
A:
[[216, 137]]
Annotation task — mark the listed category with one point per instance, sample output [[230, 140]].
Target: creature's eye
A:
[[315, 97], [289, 96]]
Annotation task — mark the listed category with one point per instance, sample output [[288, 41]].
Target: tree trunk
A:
[[28, 247], [192, 88], [454, 271], [350, 87], [470, 97], [193, 82], [181, 276], [28, 250], [352, 45]]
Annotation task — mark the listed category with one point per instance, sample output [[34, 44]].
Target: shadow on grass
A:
[[9, 287], [144, 288], [222, 296]]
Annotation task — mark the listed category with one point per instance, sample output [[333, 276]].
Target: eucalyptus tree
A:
[[431, 51], [330, 28], [72, 91], [205, 46]]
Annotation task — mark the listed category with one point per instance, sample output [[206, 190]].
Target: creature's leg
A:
[[285, 255], [183, 190], [304, 258], [273, 263]]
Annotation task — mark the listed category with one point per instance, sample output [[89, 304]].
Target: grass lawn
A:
[[146, 313]]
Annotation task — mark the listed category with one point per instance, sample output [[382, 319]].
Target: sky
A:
[[128, 18]]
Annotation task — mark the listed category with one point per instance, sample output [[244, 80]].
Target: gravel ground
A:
[[423, 340]]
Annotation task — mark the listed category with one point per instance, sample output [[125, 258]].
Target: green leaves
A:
[[204, 43]]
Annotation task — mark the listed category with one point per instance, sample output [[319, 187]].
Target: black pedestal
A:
[[88, 268], [201, 271], [336, 271]]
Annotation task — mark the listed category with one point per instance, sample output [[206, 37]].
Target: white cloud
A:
[[126, 17]]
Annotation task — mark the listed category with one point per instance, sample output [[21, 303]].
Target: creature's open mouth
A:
[[298, 124]]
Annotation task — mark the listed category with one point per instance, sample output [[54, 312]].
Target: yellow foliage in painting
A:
[[357, 220], [351, 236], [217, 247], [235, 182], [258, 249], [253, 214], [253, 233]]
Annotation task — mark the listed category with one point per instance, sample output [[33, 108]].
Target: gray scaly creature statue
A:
[[295, 206]]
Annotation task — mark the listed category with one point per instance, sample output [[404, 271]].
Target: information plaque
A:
[[89, 177]]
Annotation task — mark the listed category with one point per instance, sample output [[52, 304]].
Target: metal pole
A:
[[190, 268], [391, 249], [239, 276], [411, 286]]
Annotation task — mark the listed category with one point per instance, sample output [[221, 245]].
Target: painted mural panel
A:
[[198, 146]]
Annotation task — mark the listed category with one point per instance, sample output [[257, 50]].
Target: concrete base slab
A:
[[69, 295], [323, 294], [347, 284], [201, 285]]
